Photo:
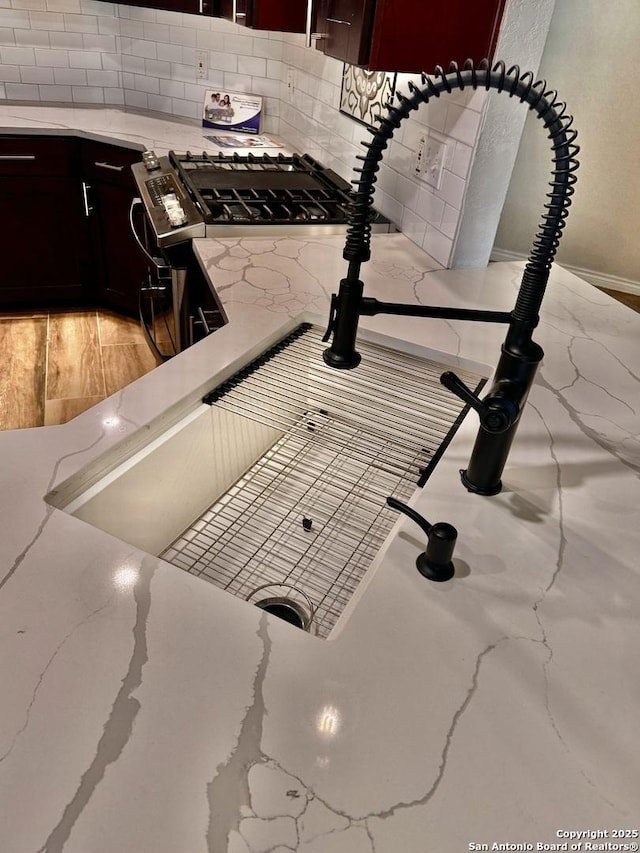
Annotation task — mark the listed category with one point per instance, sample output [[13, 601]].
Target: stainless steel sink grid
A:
[[311, 511]]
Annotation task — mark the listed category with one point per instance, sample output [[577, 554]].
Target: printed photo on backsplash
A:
[[232, 111]]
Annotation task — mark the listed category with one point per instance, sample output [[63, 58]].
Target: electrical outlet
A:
[[290, 84], [202, 64], [433, 161], [418, 164]]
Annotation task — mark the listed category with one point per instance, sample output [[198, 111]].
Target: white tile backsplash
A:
[[88, 51]]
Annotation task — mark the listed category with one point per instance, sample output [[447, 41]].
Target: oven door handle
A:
[[158, 263]]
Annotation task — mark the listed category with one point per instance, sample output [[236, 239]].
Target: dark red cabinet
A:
[[119, 267], [65, 225], [402, 35], [44, 254], [279, 15]]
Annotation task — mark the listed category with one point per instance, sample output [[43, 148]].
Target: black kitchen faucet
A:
[[501, 408]]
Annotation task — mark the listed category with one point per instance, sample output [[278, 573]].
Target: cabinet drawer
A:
[[110, 163], [37, 155]]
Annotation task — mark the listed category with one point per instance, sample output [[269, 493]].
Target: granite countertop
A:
[[146, 710]]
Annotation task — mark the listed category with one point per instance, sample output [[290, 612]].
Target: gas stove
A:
[[205, 195]]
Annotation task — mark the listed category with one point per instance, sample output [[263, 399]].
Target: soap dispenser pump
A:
[[435, 562]]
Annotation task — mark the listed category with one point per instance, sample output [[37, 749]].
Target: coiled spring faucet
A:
[[502, 406]]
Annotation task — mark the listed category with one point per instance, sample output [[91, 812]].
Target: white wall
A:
[[591, 59]]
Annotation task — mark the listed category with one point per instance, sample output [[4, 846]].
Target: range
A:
[[187, 196]]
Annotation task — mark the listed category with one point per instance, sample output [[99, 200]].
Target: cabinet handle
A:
[[85, 198], [310, 36], [338, 21], [111, 166], [17, 156]]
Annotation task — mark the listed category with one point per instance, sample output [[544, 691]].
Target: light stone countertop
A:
[[146, 711]]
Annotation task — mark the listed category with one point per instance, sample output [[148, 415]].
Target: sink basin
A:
[[280, 476]]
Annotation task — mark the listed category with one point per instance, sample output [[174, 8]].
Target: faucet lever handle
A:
[[497, 414]]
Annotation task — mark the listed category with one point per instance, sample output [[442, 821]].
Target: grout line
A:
[[104, 375], [45, 384]]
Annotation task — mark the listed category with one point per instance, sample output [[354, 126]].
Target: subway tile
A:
[[36, 75], [56, 93], [159, 103], [84, 59], [413, 225], [108, 26], [147, 84], [169, 52], [128, 80], [17, 55], [81, 23], [428, 206], [450, 219], [3, 91], [87, 95], [437, 245], [112, 61], [32, 38], [103, 78], [252, 65], [14, 18], [147, 49], [46, 21], [462, 123], [172, 88], [132, 29], [9, 73], [22, 91], [186, 109], [140, 13], [70, 76], [97, 7], [7, 36], [28, 4], [113, 96], [136, 99], [66, 41], [64, 5], [133, 64], [223, 62], [460, 159], [93, 41], [182, 35], [156, 32], [154, 68], [452, 189], [267, 48], [172, 19], [53, 58]]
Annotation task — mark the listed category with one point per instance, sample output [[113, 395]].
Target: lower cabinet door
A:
[[44, 249]]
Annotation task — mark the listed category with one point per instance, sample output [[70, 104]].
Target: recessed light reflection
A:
[[328, 722], [111, 422], [125, 578]]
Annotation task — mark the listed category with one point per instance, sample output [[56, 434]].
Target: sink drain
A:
[[286, 602]]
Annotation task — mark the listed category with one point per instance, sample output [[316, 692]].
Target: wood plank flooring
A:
[[53, 366]]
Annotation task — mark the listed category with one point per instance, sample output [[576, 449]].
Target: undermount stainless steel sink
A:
[[278, 481]]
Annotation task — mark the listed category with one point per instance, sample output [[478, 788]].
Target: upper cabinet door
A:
[[279, 15], [402, 35]]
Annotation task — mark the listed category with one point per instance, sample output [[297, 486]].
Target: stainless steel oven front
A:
[[177, 306]]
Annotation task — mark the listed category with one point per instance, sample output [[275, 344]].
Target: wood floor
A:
[[53, 366], [629, 299]]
